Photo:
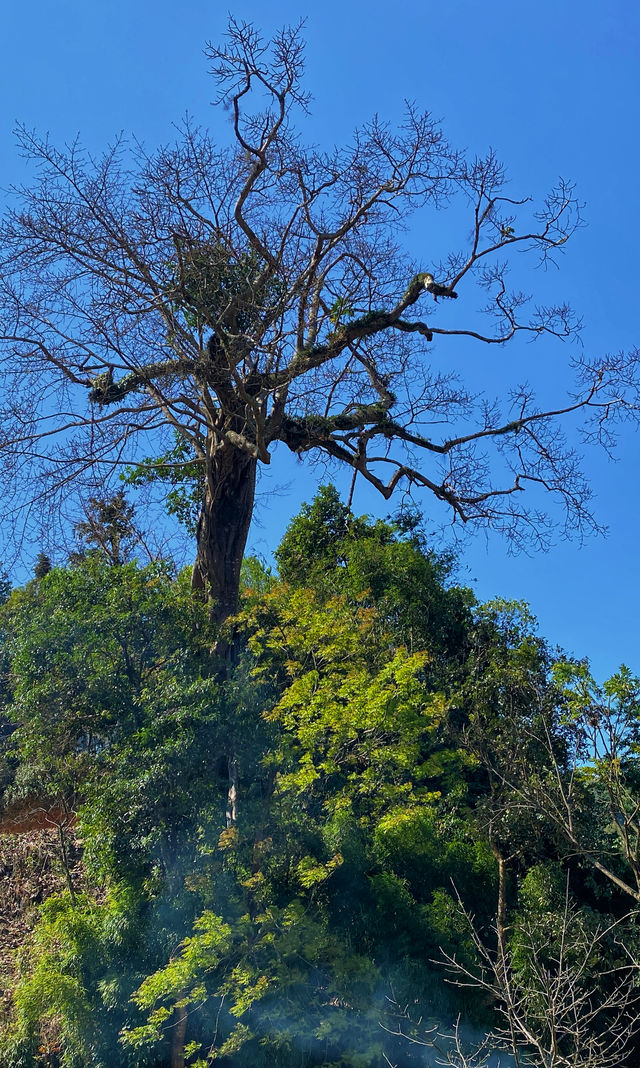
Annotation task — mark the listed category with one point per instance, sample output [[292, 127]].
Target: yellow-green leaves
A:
[[180, 982], [351, 705]]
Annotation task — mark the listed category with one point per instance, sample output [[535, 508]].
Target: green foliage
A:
[[383, 565], [314, 540], [74, 974], [5, 586], [346, 711], [182, 476], [84, 645], [340, 311], [376, 728]]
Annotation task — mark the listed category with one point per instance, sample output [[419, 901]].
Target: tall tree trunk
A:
[[64, 856], [223, 527], [232, 793], [179, 1037], [222, 532], [501, 915]]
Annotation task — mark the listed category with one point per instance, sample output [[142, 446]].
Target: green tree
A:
[[329, 549], [592, 797], [83, 644], [115, 712], [275, 857], [43, 565], [342, 860], [108, 527]]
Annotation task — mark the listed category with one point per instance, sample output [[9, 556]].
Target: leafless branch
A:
[[256, 293]]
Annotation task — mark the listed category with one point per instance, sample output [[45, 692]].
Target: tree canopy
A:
[[256, 293]]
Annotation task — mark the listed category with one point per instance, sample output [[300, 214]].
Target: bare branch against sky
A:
[[237, 296]]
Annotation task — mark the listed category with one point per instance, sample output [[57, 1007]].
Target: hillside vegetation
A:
[[394, 790]]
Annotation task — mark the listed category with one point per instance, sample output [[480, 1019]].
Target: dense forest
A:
[[399, 812]]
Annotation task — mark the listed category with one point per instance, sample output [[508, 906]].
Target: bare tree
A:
[[572, 1001], [242, 296], [450, 1048]]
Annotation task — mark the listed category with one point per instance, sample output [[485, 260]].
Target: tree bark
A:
[[223, 527], [232, 793], [179, 1037], [501, 915], [64, 856]]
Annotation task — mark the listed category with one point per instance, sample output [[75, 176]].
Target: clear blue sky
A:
[[553, 87]]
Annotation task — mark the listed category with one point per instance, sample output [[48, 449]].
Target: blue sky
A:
[[552, 87]]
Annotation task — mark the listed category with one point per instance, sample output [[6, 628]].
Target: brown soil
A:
[[30, 871], [29, 815]]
